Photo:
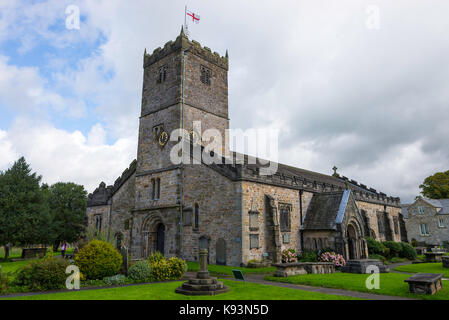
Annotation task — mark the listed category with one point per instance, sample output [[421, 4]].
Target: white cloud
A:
[[374, 103], [59, 155]]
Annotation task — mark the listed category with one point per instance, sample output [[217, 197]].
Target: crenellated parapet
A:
[[102, 194], [183, 43]]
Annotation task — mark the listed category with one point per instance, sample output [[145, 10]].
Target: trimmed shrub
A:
[[4, 282], [408, 251], [177, 268], [155, 257], [160, 270], [377, 257], [171, 269], [395, 248], [140, 271], [43, 275], [308, 256], [98, 259], [375, 247], [114, 280]]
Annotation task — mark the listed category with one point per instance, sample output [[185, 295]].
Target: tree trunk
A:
[[56, 245], [6, 251]]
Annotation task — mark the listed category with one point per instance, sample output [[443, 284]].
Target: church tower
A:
[[183, 82]]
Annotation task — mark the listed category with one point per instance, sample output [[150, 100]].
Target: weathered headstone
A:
[[124, 253]]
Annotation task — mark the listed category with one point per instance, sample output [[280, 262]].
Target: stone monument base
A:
[[200, 287], [359, 266]]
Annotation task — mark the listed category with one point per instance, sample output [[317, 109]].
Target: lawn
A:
[[166, 291], [424, 268], [390, 283], [221, 270], [13, 266], [16, 253]]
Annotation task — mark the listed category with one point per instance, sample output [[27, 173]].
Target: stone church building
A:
[[230, 209]]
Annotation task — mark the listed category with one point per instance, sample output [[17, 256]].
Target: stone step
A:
[[203, 287], [203, 281]]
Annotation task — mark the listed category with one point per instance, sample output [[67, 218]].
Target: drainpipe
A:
[[301, 236], [182, 155]]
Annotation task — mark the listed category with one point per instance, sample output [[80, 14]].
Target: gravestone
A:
[[203, 284], [221, 251], [124, 253], [445, 260], [360, 266], [433, 256]]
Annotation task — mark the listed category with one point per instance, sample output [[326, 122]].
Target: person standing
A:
[[63, 248]]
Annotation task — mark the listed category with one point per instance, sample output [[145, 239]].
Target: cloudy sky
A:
[[362, 85]]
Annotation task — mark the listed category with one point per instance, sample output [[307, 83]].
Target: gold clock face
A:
[[163, 138]]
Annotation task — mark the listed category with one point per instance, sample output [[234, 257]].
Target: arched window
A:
[[197, 216], [158, 183]]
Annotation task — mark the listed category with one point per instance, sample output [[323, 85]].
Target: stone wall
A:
[[121, 211], [102, 211], [372, 209], [219, 203], [254, 201]]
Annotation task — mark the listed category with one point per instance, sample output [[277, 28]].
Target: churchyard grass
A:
[[166, 291], [424, 268], [391, 284], [227, 270], [13, 266]]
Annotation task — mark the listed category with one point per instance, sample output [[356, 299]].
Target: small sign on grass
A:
[[238, 274]]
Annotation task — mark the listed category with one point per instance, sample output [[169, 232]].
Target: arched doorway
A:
[[160, 238], [353, 252], [221, 252]]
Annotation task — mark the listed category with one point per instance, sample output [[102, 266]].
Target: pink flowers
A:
[[289, 255], [335, 258]]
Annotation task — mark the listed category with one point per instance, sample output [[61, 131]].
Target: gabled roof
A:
[[442, 205], [326, 210]]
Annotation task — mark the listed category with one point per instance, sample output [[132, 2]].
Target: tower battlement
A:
[[182, 43]]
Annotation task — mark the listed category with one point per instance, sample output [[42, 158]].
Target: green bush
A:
[[98, 259], [160, 270], [395, 248], [408, 251], [377, 257], [42, 275], [155, 257], [114, 280], [140, 271], [171, 269], [308, 256], [4, 282], [375, 247], [177, 268]]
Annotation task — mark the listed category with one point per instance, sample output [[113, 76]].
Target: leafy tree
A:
[[67, 203], [436, 186], [24, 213]]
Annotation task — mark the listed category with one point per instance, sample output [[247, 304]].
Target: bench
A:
[[425, 283], [29, 253]]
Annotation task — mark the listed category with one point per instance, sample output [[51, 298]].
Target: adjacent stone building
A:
[[228, 207], [427, 221]]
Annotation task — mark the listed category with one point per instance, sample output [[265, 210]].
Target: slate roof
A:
[[404, 209], [326, 210], [441, 204]]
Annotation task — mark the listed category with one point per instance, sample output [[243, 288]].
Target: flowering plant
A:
[[289, 255], [336, 258]]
